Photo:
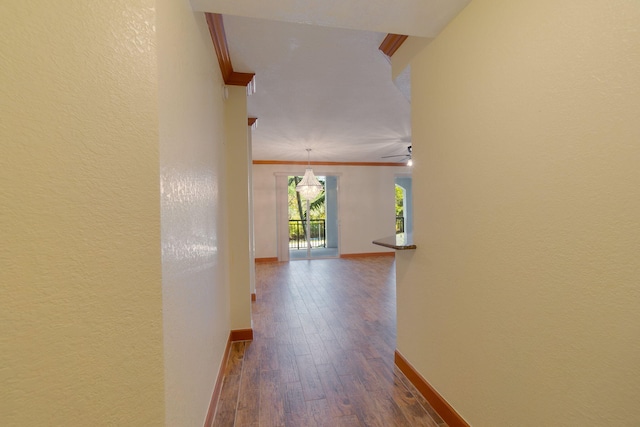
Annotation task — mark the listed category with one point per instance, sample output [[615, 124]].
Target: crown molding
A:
[[391, 43], [219, 38], [319, 163]]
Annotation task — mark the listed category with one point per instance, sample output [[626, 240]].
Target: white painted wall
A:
[[521, 305], [365, 205], [196, 313]]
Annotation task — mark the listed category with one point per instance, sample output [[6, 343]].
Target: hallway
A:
[[322, 355]]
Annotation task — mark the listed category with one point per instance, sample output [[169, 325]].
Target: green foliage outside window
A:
[[297, 205], [399, 201]]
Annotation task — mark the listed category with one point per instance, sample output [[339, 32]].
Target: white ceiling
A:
[[321, 87], [423, 18]]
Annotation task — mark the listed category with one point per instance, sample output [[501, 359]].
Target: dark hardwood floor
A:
[[322, 354]]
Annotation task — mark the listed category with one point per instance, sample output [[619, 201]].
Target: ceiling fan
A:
[[404, 156]]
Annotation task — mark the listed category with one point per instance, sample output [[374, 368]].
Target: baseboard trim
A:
[[253, 297], [234, 335], [437, 402], [367, 254], [218, 386], [269, 259], [241, 335]]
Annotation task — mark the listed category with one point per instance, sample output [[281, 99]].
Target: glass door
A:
[[313, 223]]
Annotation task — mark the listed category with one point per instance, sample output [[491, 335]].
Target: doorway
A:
[[404, 204], [313, 224]]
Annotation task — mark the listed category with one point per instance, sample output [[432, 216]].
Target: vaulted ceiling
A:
[[321, 81]]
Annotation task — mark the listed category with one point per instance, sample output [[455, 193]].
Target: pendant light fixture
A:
[[309, 187]]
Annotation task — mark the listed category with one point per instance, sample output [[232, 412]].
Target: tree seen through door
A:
[[298, 217]]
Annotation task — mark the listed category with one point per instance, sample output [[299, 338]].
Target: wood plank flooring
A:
[[322, 354]]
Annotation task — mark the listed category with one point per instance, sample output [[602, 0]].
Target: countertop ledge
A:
[[399, 242]]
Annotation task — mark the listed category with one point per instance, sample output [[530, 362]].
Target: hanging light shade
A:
[[309, 187]]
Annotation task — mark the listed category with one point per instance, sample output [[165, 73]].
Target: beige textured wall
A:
[[521, 304], [366, 201], [405, 53], [80, 273], [238, 157], [194, 271]]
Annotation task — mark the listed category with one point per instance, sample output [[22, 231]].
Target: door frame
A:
[[282, 210]]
